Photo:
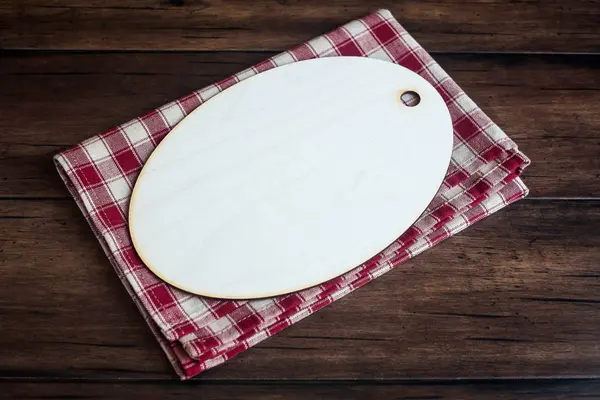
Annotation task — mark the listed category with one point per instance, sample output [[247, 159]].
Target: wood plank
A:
[[507, 390], [514, 295], [547, 104], [53, 101], [440, 25]]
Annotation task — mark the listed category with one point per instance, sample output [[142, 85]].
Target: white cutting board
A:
[[290, 178]]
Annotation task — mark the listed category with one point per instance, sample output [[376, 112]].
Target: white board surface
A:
[[290, 178]]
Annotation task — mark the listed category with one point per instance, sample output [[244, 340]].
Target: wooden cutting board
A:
[[290, 178]]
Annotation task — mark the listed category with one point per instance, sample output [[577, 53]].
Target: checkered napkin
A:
[[198, 333]]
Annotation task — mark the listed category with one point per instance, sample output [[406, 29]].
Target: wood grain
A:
[[439, 25], [506, 390], [514, 295], [548, 104]]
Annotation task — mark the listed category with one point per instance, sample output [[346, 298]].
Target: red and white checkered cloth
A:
[[198, 333]]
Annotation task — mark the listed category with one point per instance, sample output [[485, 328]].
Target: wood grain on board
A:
[[439, 25], [547, 104], [516, 294]]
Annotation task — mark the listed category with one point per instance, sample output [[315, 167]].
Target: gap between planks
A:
[[450, 381], [276, 51]]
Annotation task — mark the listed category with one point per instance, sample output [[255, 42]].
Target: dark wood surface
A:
[[505, 390], [439, 25], [509, 308]]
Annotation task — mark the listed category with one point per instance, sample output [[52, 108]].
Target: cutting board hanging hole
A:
[[410, 98]]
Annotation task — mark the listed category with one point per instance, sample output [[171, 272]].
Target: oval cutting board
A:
[[290, 178]]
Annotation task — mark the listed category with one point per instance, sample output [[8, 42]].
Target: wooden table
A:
[[508, 309]]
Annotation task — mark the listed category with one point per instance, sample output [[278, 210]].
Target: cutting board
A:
[[290, 178]]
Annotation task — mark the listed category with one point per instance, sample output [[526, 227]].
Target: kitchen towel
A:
[[198, 333]]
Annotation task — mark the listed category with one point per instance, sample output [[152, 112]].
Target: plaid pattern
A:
[[198, 333]]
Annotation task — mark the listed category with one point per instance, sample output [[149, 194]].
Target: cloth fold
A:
[[198, 333]]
